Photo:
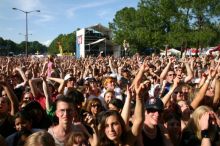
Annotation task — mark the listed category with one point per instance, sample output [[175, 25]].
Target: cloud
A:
[[47, 43], [103, 13], [32, 5], [28, 5], [45, 18], [8, 30], [71, 11]]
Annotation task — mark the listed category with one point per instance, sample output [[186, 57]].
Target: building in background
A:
[[93, 40]]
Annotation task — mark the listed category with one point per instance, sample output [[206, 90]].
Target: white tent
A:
[[213, 52], [171, 52], [174, 51]]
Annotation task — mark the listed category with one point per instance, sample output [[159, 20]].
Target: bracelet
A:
[[205, 134]]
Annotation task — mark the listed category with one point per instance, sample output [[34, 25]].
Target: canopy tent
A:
[[171, 52], [213, 50]]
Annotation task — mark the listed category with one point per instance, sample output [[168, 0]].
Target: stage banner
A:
[[80, 43]]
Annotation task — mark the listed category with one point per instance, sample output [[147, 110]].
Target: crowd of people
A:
[[106, 101]]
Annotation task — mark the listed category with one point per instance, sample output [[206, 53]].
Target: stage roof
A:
[[100, 28]]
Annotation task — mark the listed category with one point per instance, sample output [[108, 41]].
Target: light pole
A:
[[26, 35]]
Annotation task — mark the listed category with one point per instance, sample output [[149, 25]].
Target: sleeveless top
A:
[[76, 128], [49, 68], [57, 142]]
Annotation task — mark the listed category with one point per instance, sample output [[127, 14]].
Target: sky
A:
[[55, 17]]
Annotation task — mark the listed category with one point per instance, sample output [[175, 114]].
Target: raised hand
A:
[[204, 121]]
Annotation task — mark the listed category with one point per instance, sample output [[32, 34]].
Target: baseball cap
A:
[[154, 103], [90, 79], [68, 76]]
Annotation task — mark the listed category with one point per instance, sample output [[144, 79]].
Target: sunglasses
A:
[[171, 74], [96, 105], [151, 110], [178, 92]]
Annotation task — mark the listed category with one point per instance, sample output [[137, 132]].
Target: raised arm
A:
[[139, 107], [8, 66], [111, 67], [189, 72], [60, 81], [34, 89], [217, 93], [21, 72], [46, 93], [12, 97], [93, 138], [204, 125], [200, 95], [214, 75], [125, 114], [86, 71], [44, 70], [202, 81], [165, 70], [167, 97]]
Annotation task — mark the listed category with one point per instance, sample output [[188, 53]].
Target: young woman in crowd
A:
[[94, 106], [27, 98], [112, 128], [172, 123], [23, 126], [202, 129], [115, 104], [109, 94]]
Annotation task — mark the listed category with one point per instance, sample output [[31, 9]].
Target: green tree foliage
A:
[[67, 42], [35, 47], [10, 46], [123, 26], [178, 23]]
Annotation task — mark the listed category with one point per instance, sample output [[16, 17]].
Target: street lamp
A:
[[26, 35]]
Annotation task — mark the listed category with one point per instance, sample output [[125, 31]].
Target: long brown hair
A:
[[104, 141]]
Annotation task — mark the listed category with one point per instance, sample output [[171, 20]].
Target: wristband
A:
[[205, 133]]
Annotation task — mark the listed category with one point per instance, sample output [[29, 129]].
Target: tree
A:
[[66, 41], [123, 26], [178, 23]]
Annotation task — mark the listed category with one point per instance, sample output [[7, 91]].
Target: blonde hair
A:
[[40, 138], [193, 124]]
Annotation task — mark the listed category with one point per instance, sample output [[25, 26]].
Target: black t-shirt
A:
[[7, 127], [157, 141], [189, 139]]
